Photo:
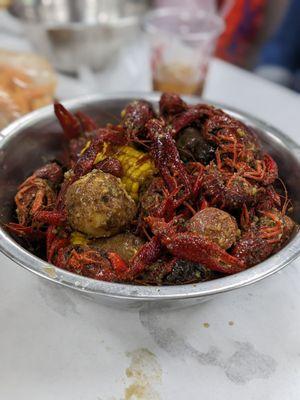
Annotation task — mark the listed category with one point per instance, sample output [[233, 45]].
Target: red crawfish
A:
[[36, 193], [194, 247], [134, 119], [228, 190], [265, 235], [170, 104]]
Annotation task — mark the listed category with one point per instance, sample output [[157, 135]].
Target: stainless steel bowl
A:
[[37, 138], [76, 33]]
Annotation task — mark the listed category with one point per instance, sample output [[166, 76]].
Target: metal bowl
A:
[[76, 33], [37, 138]]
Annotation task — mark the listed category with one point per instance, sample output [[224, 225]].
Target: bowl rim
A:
[[24, 258]]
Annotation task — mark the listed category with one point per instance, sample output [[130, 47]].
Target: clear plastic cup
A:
[[182, 43]]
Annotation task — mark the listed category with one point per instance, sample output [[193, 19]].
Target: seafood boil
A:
[[177, 195]]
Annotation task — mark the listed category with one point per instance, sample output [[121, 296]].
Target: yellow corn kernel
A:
[[78, 238], [144, 167], [128, 185], [135, 187], [135, 174], [136, 171]]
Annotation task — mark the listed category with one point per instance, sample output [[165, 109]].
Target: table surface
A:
[[55, 344]]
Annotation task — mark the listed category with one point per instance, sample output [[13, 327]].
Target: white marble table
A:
[[56, 345]]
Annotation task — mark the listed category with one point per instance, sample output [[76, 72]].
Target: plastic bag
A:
[[27, 82]]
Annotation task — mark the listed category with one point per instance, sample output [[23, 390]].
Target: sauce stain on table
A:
[[57, 298], [244, 365], [145, 373]]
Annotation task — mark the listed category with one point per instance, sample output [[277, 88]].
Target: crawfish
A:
[[82, 131], [104, 265], [263, 171], [159, 202], [78, 128], [234, 140], [134, 118], [193, 115], [36, 193], [228, 190], [88, 261], [155, 200], [86, 162], [176, 185], [33, 194], [266, 234], [170, 104], [193, 247], [166, 156], [74, 125]]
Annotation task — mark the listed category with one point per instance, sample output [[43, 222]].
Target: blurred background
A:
[[64, 48]]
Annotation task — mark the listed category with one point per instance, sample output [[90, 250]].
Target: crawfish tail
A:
[[147, 255], [189, 116], [198, 249], [55, 218], [166, 156]]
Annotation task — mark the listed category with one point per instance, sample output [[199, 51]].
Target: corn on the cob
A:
[[137, 169]]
